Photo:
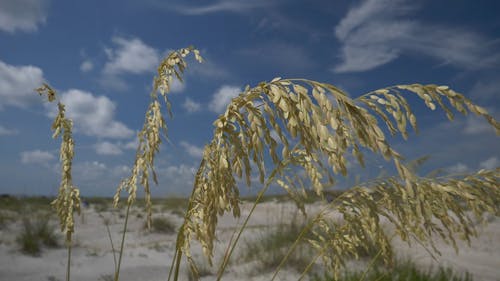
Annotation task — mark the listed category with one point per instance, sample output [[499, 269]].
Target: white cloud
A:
[[179, 177], [17, 84], [107, 148], [379, 31], [113, 82], [458, 168], [487, 89], [36, 157], [86, 66], [490, 164], [130, 56], [207, 69], [92, 115], [222, 97], [477, 125], [7, 132], [133, 144], [192, 150], [235, 6], [177, 86], [191, 106], [89, 171], [24, 15]]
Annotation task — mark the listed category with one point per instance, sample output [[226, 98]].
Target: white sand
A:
[[148, 255]]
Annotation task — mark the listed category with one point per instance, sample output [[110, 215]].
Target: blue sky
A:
[[101, 57]]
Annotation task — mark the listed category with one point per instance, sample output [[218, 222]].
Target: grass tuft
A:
[[36, 234], [162, 225], [404, 271], [272, 246]]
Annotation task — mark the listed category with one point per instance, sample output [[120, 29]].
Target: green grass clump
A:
[[405, 271], [272, 246], [4, 219], [16, 204], [162, 225], [36, 234], [175, 205]]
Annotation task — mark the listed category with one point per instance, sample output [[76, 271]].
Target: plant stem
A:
[[372, 262], [112, 246], [302, 233], [117, 272], [228, 255], [292, 248], [177, 265], [106, 223], [68, 266], [172, 264], [257, 200], [308, 267]]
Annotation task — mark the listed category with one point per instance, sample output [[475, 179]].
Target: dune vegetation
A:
[[297, 133]]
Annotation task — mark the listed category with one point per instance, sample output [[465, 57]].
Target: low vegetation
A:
[[403, 271], [272, 244], [36, 233], [162, 225]]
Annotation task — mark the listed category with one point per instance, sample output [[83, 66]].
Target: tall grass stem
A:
[[257, 200], [117, 272], [68, 266]]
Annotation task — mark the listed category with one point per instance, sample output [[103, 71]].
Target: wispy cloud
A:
[[192, 150], [107, 148], [222, 97], [486, 90], [208, 69], [24, 15], [133, 144], [17, 84], [490, 163], [7, 132], [475, 126], [95, 177], [379, 31], [36, 157], [179, 177], [449, 144], [191, 106], [92, 115], [234, 6], [86, 66], [458, 168], [130, 56], [90, 172]]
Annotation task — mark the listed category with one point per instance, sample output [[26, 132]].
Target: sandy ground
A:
[[148, 255]]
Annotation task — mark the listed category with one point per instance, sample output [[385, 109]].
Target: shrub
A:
[[36, 234], [272, 246], [4, 219], [403, 271], [162, 225]]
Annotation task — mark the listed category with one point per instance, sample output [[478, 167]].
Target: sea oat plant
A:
[[317, 125], [68, 198], [297, 133]]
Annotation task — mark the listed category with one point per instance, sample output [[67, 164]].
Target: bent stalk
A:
[[117, 272]]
